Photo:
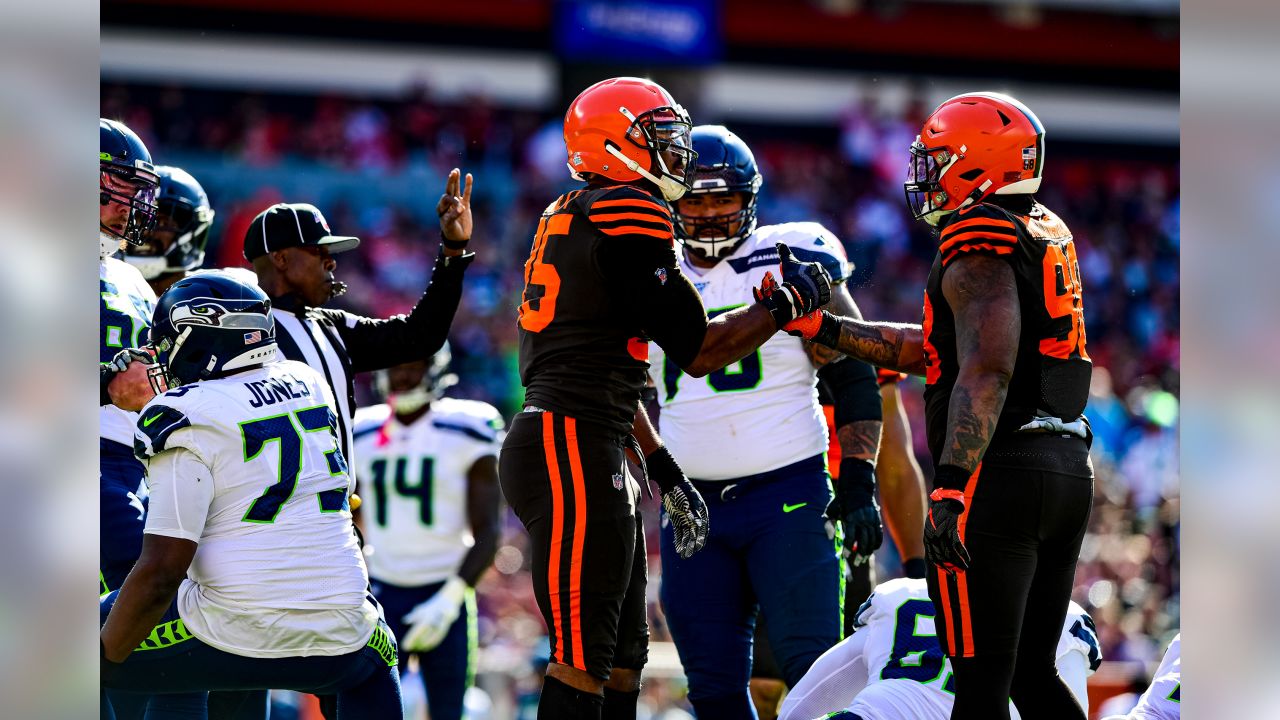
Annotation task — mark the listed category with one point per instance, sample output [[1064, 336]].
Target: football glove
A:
[[430, 620], [855, 505], [690, 521], [805, 287], [942, 544], [122, 359]]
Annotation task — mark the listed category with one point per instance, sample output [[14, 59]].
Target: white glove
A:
[[430, 621]]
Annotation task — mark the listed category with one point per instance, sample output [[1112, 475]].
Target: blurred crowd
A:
[[377, 167]]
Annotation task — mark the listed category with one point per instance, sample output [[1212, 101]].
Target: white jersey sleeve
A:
[[1163, 700], [833, 681], [181, 490]]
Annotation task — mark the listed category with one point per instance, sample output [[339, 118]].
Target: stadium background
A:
[[363, 108]]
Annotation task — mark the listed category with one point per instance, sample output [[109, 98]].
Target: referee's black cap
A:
[[286, 225]]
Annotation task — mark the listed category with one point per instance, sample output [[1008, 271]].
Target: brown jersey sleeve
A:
[[638, 260], [982, 230]]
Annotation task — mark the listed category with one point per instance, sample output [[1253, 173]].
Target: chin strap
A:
[[670, 188]]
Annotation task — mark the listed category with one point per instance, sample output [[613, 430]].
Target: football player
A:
[[1163, 700], [127, 191], [428, 467], [243, 460], [1002, 349], [175, 245], [603, 279], [766, 483], [892, 668]]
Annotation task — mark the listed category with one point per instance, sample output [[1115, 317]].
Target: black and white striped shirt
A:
[[340, 344]]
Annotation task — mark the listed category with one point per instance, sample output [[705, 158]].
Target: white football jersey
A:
[[124, 314], [1163, 700], [277, 571], [413, 481], [892, 667], [762, 412]]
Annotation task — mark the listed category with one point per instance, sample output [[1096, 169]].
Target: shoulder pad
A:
[[156, 424], [811, 242], [982, 229], [369, 419], [626, 210], [477, 420]]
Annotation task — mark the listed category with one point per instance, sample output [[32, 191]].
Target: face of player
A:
[[159, 240], [675, 147], [403, 378], [114, 216], [711, 214], [308, 273]]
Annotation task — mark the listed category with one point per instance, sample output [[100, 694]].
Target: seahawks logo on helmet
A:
[[209, 313]]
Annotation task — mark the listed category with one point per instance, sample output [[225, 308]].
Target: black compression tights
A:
[[985, 684]]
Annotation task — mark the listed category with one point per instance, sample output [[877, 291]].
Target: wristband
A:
[[662, 469], [859, 474], [951, 477], [454, 244], [829, 332], [451, 261]]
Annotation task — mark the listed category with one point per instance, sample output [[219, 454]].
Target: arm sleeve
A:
[[854, 392], [181, 491], [637, 257], [373, 344], [980, 230]]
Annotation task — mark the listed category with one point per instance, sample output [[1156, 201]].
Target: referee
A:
[[291, 248]]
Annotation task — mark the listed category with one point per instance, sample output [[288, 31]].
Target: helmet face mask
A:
[[726, 166], [432, 383], [925, 197]]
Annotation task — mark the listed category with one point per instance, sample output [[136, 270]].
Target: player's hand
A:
[[690, 521], [805, 287], [130, 389], [855, 506], [430, 621], [454, 210], [942, 544]]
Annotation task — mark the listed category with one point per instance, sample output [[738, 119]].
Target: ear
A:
[[279, 259]]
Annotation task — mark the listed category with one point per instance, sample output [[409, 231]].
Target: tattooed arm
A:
[[983, 296], [896, 346], [841, 304]]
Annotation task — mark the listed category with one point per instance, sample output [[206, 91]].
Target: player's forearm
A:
[[731, 337], [479, 558], [484, 514], [860, 439], [897, 346], [644, 433], [142, 601], [976, 402], [901, 481]]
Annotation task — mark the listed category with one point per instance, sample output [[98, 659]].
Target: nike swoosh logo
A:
[[153, 418], [788, 508]]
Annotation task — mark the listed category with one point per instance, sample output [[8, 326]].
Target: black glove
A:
[[690, 520], [855, 505], [805, 287], [942, 544]]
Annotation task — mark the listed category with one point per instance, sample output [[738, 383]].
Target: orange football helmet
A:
[[621, 128], [973, 145]]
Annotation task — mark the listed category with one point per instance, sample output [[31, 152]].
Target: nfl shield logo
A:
[[617, 481], [252, 337]]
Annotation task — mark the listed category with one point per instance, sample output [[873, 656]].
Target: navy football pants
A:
[[768, 551], [448, 670], [365, 681]]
